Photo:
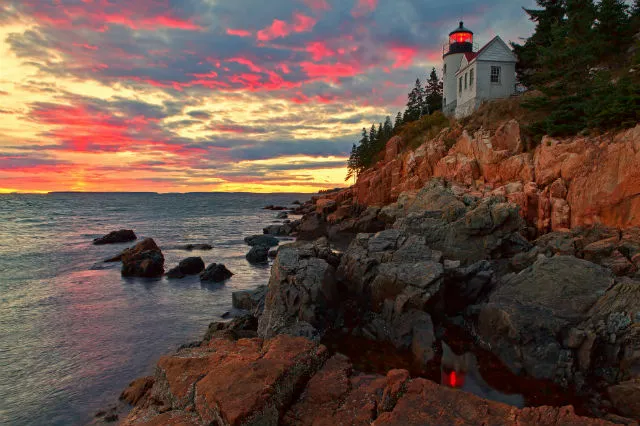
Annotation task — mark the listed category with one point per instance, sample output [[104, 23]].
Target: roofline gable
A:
[[478, 57]]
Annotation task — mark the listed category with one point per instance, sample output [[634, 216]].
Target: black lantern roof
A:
[[461, 29]]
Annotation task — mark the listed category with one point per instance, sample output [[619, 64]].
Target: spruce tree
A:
[[398, 123], [433, 91], [387, 128], [613, 26], [549, 18], [352, 163], [415, 102]]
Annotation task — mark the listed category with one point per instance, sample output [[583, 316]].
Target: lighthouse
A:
[[460, 42], [473, 78]]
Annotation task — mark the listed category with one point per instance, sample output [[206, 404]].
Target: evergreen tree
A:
[[613, 26], [415, 102], [433, 93], [548, 19], [353, 162], [387, 128], [398, 122], [373, 134]]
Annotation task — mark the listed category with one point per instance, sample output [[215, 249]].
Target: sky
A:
[[212, 95]]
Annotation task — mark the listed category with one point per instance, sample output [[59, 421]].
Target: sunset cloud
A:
[[203, 95]]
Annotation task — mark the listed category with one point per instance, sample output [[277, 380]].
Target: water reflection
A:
[[462, 372]]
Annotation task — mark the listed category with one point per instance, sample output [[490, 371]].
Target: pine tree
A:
[[433, 93], [398, 123], [613, 26], [373, 134], [352, 162], [387, 128], [415, 102], [548, 19]]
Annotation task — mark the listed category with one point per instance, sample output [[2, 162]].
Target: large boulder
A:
[[227, 382], [302, 289], [461, 227], [282, 230], [529, 312], [250, 300], [312, 226], [258, 254], [216, 272], [391, 265], [145, 259], [121, 236], [188, 266]]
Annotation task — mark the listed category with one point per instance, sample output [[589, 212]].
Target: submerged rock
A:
[[216, 272], [121, 236], [145, 259], [191, 247], [188, 266], [262, 240]]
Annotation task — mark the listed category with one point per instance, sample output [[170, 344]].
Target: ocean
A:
[[73, 332]]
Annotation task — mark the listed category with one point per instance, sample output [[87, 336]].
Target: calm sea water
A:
[[72, 335]]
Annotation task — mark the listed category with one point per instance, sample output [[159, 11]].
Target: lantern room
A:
[[460, 40]]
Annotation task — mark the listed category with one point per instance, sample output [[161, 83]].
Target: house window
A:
[[460, 85], [465, 81], [471, 77], [445, 68], [495, 74]]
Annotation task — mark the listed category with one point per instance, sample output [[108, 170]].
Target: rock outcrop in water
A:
[[145, 259], [188, 266], [121, 236], [216, 272]]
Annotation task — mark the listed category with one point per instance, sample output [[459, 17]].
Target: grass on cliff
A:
[[415, 133]]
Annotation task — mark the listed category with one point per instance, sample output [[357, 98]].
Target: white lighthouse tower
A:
[[460, 43]]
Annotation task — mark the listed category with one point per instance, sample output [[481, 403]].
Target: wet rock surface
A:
[[145, 259], [188, 266], [302, 290], [258, 254], [121, 236], [262, 240], [216, 272]]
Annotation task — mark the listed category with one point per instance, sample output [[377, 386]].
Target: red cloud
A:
[[278, 28], [302, 23], [403, 56], [143, 14], [364, 7], [330, 71], [319, 50], [81, 128], [244, 61], [239, 33]]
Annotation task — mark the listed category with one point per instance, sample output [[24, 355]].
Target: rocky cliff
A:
[[563, 183]]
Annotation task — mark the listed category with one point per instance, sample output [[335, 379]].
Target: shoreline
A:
[[427, 250]]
